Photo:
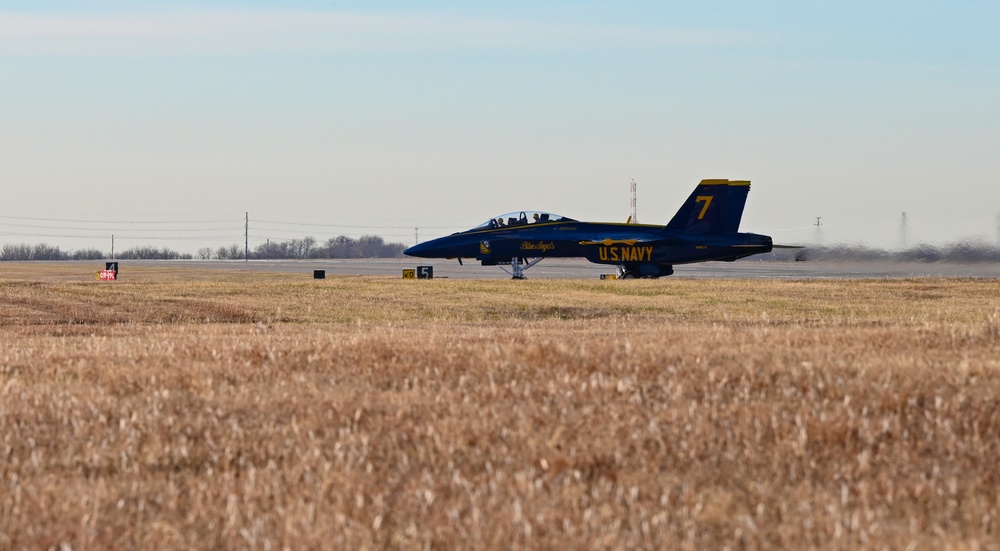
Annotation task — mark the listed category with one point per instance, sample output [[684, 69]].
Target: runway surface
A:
[[581, 269]]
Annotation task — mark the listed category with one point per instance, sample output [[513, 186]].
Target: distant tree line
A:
[[46, 252], [366, 246], [151, 253]]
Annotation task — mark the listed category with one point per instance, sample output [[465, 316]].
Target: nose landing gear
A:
[[519, 265]]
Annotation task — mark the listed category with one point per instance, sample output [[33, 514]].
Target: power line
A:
[[371, 226], [208, 231], [120, 236], [119, 221], [110, 228]]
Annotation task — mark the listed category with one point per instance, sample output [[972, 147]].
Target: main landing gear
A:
[[645, 271], [519, 265]]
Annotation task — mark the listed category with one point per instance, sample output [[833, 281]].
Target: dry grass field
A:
[[249, 411]]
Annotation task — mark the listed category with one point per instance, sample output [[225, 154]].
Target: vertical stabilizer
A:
[[715, 207]]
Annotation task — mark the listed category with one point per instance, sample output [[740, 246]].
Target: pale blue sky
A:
[[375, 117]]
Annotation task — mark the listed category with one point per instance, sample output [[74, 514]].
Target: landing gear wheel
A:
[[625, 273], [516, 269]]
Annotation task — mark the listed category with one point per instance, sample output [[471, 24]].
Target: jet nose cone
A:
[[420, 249], [442, 247]]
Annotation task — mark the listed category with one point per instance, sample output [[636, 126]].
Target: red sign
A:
[[107, 275]]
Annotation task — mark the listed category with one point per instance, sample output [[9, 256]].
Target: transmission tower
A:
[[635, 217]]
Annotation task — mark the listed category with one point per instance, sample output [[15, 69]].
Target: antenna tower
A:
[[634, 218], [902, 232]]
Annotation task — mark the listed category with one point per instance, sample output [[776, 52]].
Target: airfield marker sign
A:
[[109, 273]]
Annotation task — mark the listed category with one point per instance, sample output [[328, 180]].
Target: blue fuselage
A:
[[636, 245]]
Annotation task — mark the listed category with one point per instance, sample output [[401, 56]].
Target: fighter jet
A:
[[705, 228]]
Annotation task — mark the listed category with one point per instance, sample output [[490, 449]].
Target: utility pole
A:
[[819, 232], [246, 238], [112, 247]]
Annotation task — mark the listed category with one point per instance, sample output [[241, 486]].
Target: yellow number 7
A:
[[707, 199]]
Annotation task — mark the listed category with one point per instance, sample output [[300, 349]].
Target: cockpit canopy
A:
[[521, 218]]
